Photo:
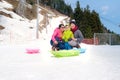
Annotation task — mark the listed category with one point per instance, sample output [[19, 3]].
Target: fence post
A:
[[37, 22], [94, 38], [109, 38]]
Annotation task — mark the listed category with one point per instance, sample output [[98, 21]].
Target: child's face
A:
[[67, 27]]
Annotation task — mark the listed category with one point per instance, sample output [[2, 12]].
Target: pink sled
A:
[[32, 51]]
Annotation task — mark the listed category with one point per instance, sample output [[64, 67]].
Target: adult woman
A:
[[56, 40], [77, 34]]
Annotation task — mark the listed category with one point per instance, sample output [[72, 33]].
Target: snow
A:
[[5, 4], [18, 29], [97, 63]]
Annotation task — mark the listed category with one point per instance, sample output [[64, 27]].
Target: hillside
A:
[[17, 28]]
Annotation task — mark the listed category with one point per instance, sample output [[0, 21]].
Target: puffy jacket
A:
[[67, 35], [77, 34], [57, 34]]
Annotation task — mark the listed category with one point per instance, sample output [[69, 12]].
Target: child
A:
[[68, 36]]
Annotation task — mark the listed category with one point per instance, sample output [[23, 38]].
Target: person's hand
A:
[[75, 39], [55, 42]]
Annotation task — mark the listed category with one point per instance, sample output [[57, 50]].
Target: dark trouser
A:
[[61, 44]]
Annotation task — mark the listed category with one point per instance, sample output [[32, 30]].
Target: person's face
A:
[[67, 27], [72, 25], [62, 28]]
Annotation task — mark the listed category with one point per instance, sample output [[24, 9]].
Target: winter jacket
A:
[[78, 34], [67, 35], [57, 34]]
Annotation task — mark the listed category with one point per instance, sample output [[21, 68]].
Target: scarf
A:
[[74, 29]]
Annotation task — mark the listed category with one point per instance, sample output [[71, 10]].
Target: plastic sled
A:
[[81, 50], [32, 51], [65, 53]]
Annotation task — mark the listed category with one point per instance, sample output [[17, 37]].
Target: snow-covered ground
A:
[[97, 63]]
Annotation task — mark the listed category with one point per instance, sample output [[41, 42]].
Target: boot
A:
[[55, 48], [78, 46]]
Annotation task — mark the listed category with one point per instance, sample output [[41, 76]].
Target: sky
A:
[[108, 11]]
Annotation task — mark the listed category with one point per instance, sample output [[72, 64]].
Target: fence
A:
[[106, 39]]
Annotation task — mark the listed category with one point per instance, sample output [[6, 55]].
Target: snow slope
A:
[[18, 29], [97, 63]]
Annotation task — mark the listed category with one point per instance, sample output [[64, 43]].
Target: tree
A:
[[68, 10], [97, 26], [78, 14]]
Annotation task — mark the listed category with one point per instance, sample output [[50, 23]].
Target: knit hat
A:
[[72, 22]]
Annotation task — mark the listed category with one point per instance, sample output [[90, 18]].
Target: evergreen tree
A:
[[97, 27], [68, 10], [78, 14], [85, 23]]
